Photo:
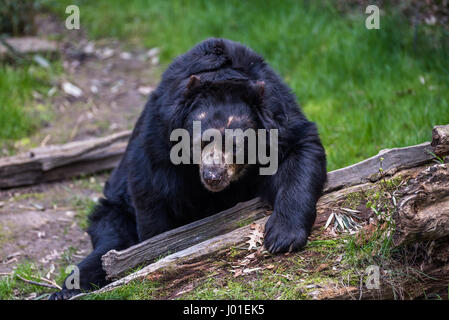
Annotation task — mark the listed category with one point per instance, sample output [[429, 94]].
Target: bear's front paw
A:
[[281, 236], [64, 294]]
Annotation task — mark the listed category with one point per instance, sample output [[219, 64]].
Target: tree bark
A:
[[63, 161], [440, 140], [423, 211], [115, 263]]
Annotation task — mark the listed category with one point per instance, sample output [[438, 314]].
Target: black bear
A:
[[222, 85]]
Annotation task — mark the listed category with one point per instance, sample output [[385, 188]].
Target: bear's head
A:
[[222, 117]]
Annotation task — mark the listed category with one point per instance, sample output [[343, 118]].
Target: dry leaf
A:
[[255, 237]]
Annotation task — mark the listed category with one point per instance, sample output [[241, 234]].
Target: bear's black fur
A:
[[147, 194]]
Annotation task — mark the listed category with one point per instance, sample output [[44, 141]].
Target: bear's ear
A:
[[259, 87], [194, 82]]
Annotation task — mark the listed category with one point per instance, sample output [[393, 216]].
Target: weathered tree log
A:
[[64, 161], [197, 251], [440, 140], [27, 45], [423, 211], [389, 161], [116, 262]]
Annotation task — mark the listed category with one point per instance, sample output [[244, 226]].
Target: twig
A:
[[5, 274], [51, 282], [16, 54], [39, 283]]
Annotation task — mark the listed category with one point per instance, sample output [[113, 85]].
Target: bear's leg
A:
[[110, 228], [294, 191]]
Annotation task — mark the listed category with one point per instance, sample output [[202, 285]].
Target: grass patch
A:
[[366, 89], [19, 115], [11, 287], [136, 290], [83, 207]]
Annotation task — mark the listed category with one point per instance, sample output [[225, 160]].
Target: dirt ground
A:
[[45, 224]]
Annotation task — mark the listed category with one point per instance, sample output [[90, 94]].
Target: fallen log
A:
[[423, 211], [195, 252], [115, 263], [440, 140], [59, 162], [28, 45]]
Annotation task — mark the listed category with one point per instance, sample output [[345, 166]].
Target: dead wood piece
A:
[[63, 161], [26, 45], [440, 140], [191, 254], [387, 161], [116, 262], [423, 211]]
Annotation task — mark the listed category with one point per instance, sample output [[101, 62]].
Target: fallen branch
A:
[[27, 45], [48, 285], [64, 161]]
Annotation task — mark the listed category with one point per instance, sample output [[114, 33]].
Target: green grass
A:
[[19, 115], [83, 207], [362, 87], [11, 287]]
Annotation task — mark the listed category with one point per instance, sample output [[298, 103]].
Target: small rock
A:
[[94, 89], [38, 206], [126, 56], [41, 234], [155, 61], [106, 53], [41, 61], [89, 48], [153, 52], [70, 214], [72, 90]]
